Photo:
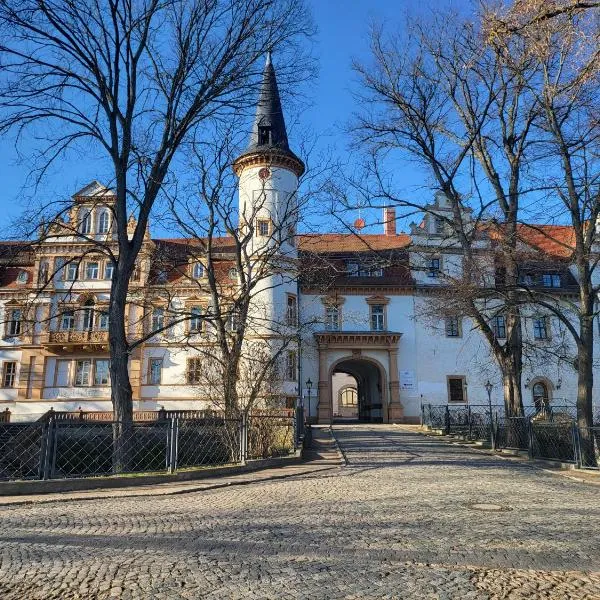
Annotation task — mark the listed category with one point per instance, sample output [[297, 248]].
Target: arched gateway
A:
[[371, 358]]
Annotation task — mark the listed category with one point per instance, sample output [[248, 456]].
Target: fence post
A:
[[47, 446], [447, 420], [469, 422], [243, 438], [422, 415], [299, 423], [577, 446], [530, 439], [173, 445]]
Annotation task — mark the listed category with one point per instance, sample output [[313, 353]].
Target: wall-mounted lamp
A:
[[559, 383], [527, 382]]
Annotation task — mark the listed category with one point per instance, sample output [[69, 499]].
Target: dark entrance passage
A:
[[369, 391]]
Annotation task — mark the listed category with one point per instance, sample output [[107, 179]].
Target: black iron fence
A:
[[59, 447], [550, 433]]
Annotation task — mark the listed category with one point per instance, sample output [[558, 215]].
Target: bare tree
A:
[[566, 44], [464, 112], [137, 82], [523, 15]]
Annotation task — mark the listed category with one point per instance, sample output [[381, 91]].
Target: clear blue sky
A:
[[342, 35]]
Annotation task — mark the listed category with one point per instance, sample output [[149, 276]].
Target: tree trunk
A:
[[585, 381], [121, 392]]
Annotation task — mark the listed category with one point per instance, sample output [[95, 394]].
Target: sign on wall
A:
[[407, 380]]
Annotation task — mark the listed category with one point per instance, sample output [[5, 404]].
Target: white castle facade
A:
[[365, 344]]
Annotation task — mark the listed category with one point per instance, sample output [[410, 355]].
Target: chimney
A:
[[389, 221]]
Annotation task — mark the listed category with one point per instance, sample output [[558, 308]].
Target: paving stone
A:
[[397, 522]]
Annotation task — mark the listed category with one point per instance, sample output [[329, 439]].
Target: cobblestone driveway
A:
[[395, 523]]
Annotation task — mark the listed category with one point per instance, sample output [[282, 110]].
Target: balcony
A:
[[97, 338]]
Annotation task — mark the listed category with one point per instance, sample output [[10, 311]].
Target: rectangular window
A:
[[499, 327], [109, 269], [332, 318], [87, 319], [452, 327], [526, 280], [158, 319], [43, 273], [198, 271], [433, 267], [456, 389], [540, 328], [291, 368], [263, 227], [136, 274], [101, 372], [155, 371], [439, 225], [71, 271], [196, 319], [291, 317], [83, 370], [59, 268], [373, 272], [91, 270], [264, 135], [551, 280], [103, 321], [9, 374], [67, 320], [353, 269], [234, 321], [193, 371], [377, 317], [14, 321]]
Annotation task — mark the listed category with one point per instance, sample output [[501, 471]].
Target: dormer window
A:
[[439, 225], [161, 276], [22, 277], [551, 280], [264, 135]]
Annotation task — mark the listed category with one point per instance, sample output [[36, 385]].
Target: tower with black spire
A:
[[268, 174]]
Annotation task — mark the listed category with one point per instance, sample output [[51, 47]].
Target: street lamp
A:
[[309, 384], [488, 388]]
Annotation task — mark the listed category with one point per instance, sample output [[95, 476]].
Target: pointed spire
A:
[[269, 130], [269, 134]]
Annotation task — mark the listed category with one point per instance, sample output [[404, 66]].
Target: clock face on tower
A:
[[264, 173]]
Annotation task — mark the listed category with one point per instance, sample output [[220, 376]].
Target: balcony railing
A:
[[72, 336]]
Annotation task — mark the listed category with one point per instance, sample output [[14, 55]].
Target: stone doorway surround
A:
[[354, 346]]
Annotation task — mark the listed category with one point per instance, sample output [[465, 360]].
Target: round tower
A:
[[268, 174]]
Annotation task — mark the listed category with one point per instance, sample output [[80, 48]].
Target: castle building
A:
[[366, 344]]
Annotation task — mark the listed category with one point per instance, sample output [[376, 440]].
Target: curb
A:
[[58, 486], [338, 448], [563, 469], [43, 499]]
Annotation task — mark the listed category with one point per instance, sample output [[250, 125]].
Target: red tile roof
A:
[[351, 242]]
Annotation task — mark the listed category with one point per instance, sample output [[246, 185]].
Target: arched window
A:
[[348, 397], [85, 221], [103, 222], [540, 396]]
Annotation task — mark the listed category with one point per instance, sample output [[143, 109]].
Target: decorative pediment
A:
[[333, 300], [377, 299], [357, 339]]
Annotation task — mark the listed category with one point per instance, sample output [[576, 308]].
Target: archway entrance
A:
[[362, 383]]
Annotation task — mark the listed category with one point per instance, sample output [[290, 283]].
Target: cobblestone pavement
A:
[[397, 522]]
